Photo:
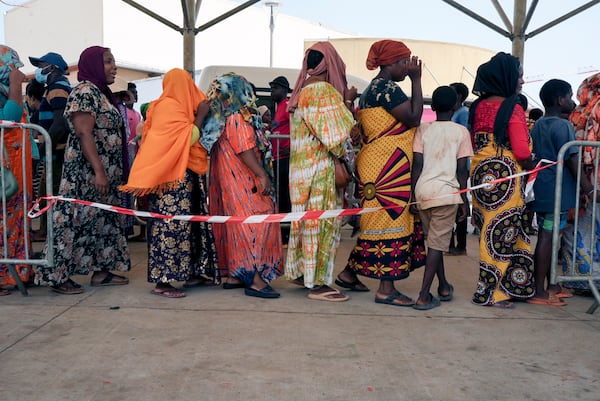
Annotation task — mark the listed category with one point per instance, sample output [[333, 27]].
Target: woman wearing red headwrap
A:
[[391, 243]]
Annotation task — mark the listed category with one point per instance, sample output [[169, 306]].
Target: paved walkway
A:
[[122, 343]]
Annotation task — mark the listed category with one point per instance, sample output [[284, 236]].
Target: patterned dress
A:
[[321, 124], [17, 238], [243, 249], [85, 238], [505, 260], [391, 242], [181, 250]]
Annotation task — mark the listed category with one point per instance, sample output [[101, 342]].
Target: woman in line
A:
[[240, 184], [586, 120], [391, 242], [501, 147], [86, 238], [170, 167], [320, 124], [11, 109]]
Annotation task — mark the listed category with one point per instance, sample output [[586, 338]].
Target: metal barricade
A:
[[274, 137], [6, 259], [556, 243]]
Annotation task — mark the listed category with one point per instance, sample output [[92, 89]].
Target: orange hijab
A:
[[165, 152]]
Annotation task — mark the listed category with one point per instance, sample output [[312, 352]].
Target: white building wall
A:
[[62, 26]]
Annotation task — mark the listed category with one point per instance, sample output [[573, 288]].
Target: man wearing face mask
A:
[[51, 71]]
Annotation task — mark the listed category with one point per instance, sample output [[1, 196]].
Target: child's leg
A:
[[541, 260], [443, 285], [543, 252], [433, 264], [439, 222], [461, 235]]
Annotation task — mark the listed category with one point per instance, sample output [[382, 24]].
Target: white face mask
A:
[[40, 76]]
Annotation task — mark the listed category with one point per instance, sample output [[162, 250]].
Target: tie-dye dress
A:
[[320, 124], [242, 249]]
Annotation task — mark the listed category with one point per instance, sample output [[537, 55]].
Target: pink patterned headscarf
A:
[[332, 63]]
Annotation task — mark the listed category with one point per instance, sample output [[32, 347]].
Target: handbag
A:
[[343, 172], [343, 175], [8, 181]]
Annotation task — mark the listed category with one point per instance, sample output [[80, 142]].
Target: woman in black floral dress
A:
[[86, 238]]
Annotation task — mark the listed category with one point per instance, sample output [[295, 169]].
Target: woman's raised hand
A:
[[201, 112], [414, 68], [351, 94], [203, 109]]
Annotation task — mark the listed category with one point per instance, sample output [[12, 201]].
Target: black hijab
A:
[[498, 77]]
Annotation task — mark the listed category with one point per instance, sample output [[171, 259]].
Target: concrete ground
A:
[[122, 343]]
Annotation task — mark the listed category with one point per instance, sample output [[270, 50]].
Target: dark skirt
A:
[[181, 250]]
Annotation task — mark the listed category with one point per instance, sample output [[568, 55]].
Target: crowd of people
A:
[[287, 158]]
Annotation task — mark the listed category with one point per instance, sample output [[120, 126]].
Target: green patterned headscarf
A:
[[230, 94], [9, 60]]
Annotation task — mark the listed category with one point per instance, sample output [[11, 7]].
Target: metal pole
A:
[[271, 28], [518, 39], [189, 37]]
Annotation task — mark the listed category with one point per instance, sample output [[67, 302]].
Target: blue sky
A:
[[566, 51]]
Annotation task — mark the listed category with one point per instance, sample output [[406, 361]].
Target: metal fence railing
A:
[[580, 259], [13, 130]]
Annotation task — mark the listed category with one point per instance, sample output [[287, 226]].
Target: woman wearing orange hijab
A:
[[170, 168]]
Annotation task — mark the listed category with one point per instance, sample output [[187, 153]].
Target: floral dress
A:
[[87, 238]]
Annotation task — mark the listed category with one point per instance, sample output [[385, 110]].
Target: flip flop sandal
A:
[[503, 305], [74, 284], [65, 290], [108, 280], [550, 301], [298, 281], [563, 294], [391, 298], [434, 303], [4, 292], [446, 298], [199, 282], [354, 286], [168, 292], [327, 296]]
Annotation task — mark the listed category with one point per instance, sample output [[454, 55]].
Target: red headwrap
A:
[[386, 52]]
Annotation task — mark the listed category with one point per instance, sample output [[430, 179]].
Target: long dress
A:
[[242, 249], [180, 250], [391, 242], [320, 124], [505, 258], [86, 238], [17, 238]]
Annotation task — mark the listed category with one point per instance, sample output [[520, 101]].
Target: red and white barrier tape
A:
[[260, 218]]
